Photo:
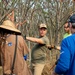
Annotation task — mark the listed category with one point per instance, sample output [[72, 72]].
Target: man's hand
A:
[[50, 47]]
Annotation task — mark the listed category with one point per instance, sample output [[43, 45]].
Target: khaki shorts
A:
[[37, 68]]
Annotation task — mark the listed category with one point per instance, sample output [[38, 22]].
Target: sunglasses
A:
[[66, 26]]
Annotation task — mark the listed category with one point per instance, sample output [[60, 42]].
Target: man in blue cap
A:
[[66, 61]]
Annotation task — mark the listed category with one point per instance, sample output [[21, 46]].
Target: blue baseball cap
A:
[[72, 19]]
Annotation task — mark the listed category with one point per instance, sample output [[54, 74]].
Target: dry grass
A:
[[50, 66]]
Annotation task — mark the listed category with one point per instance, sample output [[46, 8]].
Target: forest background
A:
[[28, 14]]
